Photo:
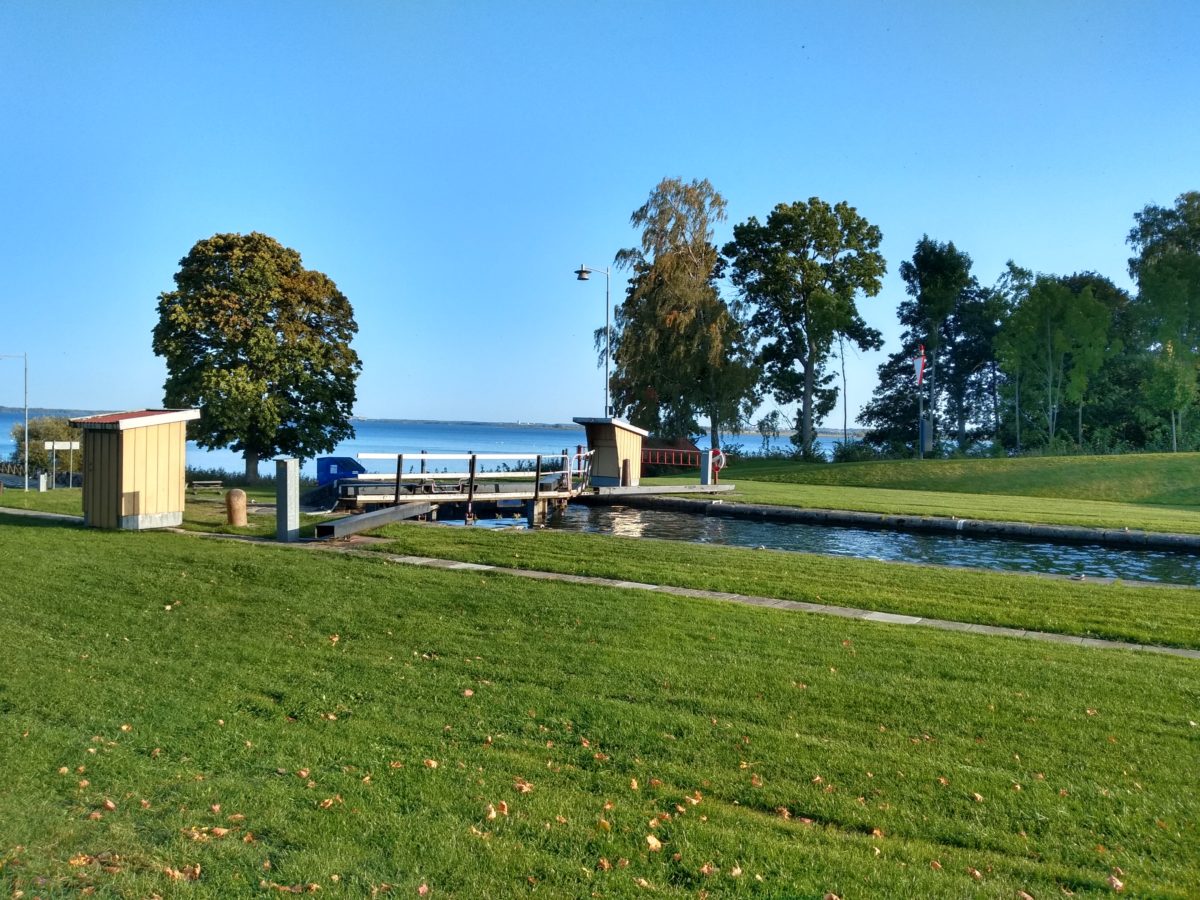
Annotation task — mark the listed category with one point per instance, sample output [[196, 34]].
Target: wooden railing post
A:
[[537, 480]]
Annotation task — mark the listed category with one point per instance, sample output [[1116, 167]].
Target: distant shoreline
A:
[[37, 412]]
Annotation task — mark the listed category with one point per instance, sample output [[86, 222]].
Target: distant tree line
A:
[[1032, 362]]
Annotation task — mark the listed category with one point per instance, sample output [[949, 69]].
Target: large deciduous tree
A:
[[1167, 268], [800, 272], [935, 278], [262, 346], [1057, 339], [679, 349]]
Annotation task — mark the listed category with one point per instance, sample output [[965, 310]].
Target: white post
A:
[[706, 467]]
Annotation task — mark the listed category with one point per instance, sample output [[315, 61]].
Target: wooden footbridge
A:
[[523, 485]]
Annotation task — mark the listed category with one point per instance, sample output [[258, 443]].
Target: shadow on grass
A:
[[40, 521]]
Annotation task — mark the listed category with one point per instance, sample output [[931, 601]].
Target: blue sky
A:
[[449, 164]]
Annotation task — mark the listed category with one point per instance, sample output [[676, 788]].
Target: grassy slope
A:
[[1148, 478], [873, 740], [1117, 612], [1154, 492]]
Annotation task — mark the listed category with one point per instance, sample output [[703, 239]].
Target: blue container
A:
[[333, 468]]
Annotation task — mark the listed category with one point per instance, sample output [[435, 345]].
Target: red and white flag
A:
[[919, 366]]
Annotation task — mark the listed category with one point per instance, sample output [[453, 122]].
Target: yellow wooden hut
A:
[[134, 468], [617, 451]]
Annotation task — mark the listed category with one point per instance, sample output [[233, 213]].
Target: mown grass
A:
[[295, 699], [1145, 478], [993, 507], [1141, 614], [202, 511]]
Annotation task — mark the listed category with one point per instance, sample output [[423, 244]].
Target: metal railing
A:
[[572, 475]]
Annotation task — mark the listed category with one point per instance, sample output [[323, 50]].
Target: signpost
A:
[[54, 447]]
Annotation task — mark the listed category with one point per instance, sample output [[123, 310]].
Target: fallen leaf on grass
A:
[[935, 865], [468, 693], [978, 798], [653, 843], [707, 869], [431, 763], [184, 873], [1116, 883], [522, 785], [604, 865], [81, 859], [633, 785], [423, 890], [975, 873]]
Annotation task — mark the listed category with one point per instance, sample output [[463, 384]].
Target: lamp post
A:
[[583, 273], [25, 357]]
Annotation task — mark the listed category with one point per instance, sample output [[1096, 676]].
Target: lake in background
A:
[[394, 436]]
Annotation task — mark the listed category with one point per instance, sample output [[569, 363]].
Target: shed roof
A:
[[608, 420], [140, 418]]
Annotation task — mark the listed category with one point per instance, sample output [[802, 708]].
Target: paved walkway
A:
[[845, 612]]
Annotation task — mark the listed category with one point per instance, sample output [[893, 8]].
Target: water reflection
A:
[[942, 550]]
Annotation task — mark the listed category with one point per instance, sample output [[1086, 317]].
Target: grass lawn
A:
[[995, 507], [1150, 615], [190, 717], [202, 511], [1154, 492], [1167, 479]]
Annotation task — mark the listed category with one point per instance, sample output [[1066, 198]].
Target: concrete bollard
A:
[[235, 508], [287, 500]]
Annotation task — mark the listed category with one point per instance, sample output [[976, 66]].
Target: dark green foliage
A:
[[800, 273], [680, 350], [262, 346], [42, 429]]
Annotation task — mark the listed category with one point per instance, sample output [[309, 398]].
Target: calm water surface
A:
[[892, 546]]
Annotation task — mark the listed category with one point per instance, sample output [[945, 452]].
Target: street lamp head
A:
[[582, 273]]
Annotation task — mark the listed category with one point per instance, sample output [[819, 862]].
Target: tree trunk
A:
[[1079, 426], [1174, 445], [1018, 389], [714, 432], [932, 412], [845, 393], [251, 458], [806, 425]]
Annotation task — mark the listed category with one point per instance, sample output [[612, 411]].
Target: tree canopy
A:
[[262, 346], [679, 348], [800, 273]]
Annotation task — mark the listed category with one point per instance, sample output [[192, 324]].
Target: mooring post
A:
[[537, 479], [567, 468], [706, 467], [287, 500]]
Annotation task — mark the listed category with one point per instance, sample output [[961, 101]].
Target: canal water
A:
[[892, 546]]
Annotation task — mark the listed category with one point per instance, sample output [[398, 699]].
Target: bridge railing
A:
[[551, 472]]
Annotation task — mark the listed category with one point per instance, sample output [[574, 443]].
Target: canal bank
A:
[[1125, 539]]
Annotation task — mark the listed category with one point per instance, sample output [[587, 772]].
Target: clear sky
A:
[[449, 164]]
